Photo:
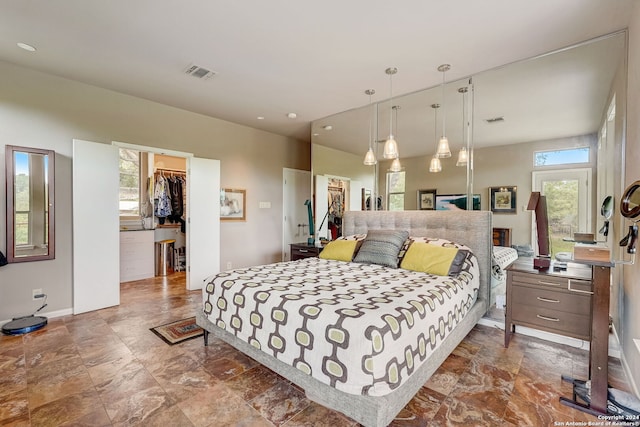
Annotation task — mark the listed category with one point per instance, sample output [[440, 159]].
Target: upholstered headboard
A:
[[472, 228]]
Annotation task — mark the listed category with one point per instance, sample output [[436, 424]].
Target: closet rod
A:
[[169, 170]]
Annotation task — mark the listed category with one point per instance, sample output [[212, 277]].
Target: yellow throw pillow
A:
[[429, 258], [339, 250]]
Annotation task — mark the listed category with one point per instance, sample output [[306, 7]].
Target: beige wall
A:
[[328, 161], [630, 309], [44, 111], [509, 165]]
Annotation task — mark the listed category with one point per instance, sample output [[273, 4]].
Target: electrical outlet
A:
[[35, 292], [229, 265]]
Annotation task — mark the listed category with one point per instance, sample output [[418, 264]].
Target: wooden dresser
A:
[[557, 301], [304, 250]]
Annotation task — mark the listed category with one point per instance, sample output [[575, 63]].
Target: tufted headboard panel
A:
[[472, 228]]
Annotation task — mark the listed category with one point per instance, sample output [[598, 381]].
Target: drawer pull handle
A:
[[542, 282], [550, 319], [543, 299], [578, 290], [304, 251]]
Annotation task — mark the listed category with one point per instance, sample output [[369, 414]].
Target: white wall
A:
[[45, 111]]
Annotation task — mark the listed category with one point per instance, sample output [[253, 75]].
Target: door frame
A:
[[583, 175]]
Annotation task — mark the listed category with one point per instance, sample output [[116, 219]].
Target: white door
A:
[[321, 206], [568, 194], [355, 195], [96, 244], [296, 189], [203, 226]]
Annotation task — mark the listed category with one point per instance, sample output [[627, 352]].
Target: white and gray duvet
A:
[[360, 328]]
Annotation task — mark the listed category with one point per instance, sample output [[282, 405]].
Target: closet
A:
[[168, 191], [155, 244]]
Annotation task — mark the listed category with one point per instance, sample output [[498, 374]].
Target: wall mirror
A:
[[30, 204], [561, 98]]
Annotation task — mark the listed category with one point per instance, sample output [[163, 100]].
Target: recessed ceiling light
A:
[[27, 47], [292, 115], [260, 117], [327, 127]]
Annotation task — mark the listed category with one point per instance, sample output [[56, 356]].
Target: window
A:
[[129, 183], [561, 157], [395, 191]]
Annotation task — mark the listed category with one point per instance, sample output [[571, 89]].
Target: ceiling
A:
[[272, 58]]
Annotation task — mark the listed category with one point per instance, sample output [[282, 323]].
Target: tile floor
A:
[[106, 368]]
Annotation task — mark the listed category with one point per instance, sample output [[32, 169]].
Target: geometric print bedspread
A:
[[360, 328]]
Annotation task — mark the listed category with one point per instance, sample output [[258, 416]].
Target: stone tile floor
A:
[[105, 368]]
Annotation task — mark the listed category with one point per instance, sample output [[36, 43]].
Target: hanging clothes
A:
[[162, 199], [175, 194]]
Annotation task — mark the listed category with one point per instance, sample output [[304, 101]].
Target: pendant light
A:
[[463, 154], [370, 157], [395, 164], [390, 146], [435, 165], [443, 150]]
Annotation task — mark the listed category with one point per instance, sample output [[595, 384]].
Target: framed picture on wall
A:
[[503, 199], [426, 199], [452, 202], [233, 204]]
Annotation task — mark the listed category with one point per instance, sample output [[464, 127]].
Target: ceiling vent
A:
[[495, 120], [199, 72]]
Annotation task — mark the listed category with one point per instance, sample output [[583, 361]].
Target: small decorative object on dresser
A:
[[304, 250]]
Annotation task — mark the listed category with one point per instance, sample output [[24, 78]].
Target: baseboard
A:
[[626, 368], [48, 314]]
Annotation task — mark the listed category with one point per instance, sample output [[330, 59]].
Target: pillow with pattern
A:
[[381, 247], [458, 262]]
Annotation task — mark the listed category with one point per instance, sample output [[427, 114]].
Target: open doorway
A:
[[96, 227]]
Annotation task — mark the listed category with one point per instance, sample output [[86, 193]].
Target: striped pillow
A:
[[381, 247]]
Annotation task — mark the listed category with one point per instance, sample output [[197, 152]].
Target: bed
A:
[[356, 380], [503, 257]]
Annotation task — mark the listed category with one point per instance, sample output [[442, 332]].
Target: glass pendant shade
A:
[[435, 165], [395, 165], [370, 158], [463, 157], [390, 148], [443, 148]]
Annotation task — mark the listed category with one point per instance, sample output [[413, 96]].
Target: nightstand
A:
[[557, 301], [304, 250]]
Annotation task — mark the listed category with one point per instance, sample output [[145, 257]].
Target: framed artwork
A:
[[233, 204], [503, 199], [452, 202], [426, 199]]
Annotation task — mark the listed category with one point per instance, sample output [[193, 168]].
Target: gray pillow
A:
[[382, 247]]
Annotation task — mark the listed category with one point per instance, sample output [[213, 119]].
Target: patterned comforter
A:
[[360, 328]]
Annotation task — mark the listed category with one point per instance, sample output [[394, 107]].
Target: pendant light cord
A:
[[444, 116]]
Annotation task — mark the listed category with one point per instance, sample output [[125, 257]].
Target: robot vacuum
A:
[[23, 325]]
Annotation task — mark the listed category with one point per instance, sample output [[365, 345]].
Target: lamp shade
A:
[[370, 158], [435, 165], [395, 165], [390, 148], [443, 150], [463, 157]]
